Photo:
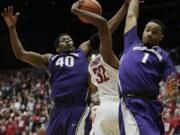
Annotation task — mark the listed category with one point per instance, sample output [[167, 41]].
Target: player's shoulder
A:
[[94, 60], [80, 51], [161, 51], [53, 56], [130, 31]]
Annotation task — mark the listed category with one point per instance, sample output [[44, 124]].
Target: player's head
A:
[[95, 42], [64, 43], [153, 33]]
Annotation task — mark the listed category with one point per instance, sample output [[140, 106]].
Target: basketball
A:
[[92, 6]]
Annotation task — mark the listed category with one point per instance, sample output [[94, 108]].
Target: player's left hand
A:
[[9, 18]]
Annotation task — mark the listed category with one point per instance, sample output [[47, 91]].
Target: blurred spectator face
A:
[[170, 104], [177, 110], [167, 115], [10, 120], [178, 104]]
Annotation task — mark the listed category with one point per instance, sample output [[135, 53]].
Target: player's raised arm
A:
[[132, 15], [104, 35], [90, 18], [32, 58], [113, 23], [85, 45]]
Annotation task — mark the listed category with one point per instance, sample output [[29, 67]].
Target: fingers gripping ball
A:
[[92, 6]]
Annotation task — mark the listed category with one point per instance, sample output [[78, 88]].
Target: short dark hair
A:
[[163, 27], [95, 42], [56, 43]]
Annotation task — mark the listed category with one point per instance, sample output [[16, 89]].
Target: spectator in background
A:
[[8, 110]]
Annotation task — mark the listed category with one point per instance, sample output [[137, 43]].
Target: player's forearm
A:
[[16, 44], [133, 9], [132, 15], [114, 22]]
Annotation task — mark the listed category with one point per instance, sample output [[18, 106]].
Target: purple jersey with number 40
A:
[[69, 75], [69, 78]]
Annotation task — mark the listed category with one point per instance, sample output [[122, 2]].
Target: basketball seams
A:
[[92, 6]]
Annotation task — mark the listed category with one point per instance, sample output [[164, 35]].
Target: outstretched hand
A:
[[172, 87], [9, 18]]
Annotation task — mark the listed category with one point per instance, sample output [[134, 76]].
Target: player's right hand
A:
[[9, 18], [172, 87]]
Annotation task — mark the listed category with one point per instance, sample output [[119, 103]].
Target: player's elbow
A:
[[102, 24], [104, 21], [19, 54]]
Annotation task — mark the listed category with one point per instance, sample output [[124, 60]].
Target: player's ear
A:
[[57, 49]]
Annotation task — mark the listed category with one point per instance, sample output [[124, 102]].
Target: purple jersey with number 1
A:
[[140, 71], [69, 78], [142, 68]]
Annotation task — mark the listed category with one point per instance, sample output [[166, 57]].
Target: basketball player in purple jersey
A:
[[69, 75], [142, 67]]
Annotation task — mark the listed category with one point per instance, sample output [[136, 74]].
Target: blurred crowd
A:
[[25, 103], [171, 108]]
